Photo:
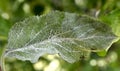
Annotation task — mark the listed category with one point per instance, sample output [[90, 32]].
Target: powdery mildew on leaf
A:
[[70, 35]]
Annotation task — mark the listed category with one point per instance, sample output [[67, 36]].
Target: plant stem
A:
[[2, 59], [2, 64]]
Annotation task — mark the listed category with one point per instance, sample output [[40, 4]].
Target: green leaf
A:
[[4, 28], [115, 22], [113, 19], [70, 35], [102, 53]]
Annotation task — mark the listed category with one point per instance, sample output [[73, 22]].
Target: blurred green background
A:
[[108, 11]]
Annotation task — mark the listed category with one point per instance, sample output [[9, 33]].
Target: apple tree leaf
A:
[[70, 35]]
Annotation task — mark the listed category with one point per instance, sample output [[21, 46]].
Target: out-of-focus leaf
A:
[[70, 35], [113, 19], [102, 53], [4, 28], [4, 5], [17, 65], [116, 22], [69, 6]]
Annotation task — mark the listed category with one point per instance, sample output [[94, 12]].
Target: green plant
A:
[[70, 35]]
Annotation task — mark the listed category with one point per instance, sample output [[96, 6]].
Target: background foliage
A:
[[108, 11]]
